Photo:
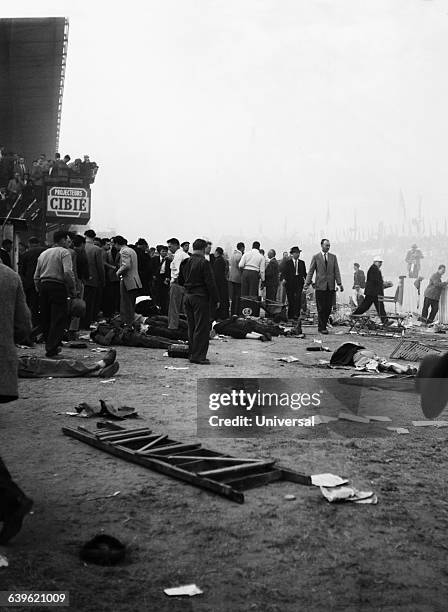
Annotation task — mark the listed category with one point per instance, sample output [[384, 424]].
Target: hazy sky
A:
[[210, 117]]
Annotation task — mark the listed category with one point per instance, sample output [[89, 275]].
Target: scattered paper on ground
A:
[[3, 561], [289, 497], [348, 416], [289, 359], [323, 418], [176, 368], [327, 480], [349, 494], [109, 380], [187, 589], [398, 430], [368, 500]]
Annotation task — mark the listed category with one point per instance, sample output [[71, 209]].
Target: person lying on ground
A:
[[36, 367]]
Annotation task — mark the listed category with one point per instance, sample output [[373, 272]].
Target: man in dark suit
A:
[[93, 287], [293, 277], [271, 276], [161, 275], [196, 276], [374, 288], [27, 267], [326, 267]]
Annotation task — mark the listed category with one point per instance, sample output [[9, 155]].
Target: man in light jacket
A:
[[130, 282], [253, 266], [235, 278], [326, 267]]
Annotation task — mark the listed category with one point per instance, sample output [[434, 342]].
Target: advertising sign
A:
[[68, 205]]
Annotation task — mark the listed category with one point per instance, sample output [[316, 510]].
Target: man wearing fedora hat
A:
[[374, 288], [293, 277]]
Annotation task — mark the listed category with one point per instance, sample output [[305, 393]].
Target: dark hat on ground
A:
[[432, 384], [103, 549], [295, 249]]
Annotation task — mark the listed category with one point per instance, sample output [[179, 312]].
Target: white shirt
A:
[[178, 258], [253, 260]]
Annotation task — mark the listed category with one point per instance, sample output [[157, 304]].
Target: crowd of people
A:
[[18, 176], [107, 275]]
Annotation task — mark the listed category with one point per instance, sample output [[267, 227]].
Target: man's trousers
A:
[[127, 304], [367, 303], [197, 309], [324, 301], [427, 304], [176, 305], [234, 295], [53, 313], [250, 282], [294, 295]]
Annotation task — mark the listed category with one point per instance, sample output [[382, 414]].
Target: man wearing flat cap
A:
[[293, 277], [374, 288]]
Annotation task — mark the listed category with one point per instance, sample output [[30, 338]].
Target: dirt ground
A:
[[268, 554]]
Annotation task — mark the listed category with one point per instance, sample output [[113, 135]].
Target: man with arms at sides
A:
[[271, 276], [326, 267], [374, 288], [235, 278], [293, 276], [130, 283], [176, 290], [93, 287], [253, 265], [15, 327], [54, 280], [161, 275], [200, 294]]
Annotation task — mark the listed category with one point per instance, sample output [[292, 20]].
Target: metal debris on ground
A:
[[412, 350], [187, 589]]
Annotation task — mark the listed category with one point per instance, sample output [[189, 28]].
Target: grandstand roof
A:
[[32, 70]]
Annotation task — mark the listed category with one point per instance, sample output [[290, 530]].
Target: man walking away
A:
[[271, 276], [200, 293], [130, 283], [326, 267], [55, 282], [432, 294], [93, 287], [293, 276], [235, 278], [374, 288], [252, 264], [176, 290]]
